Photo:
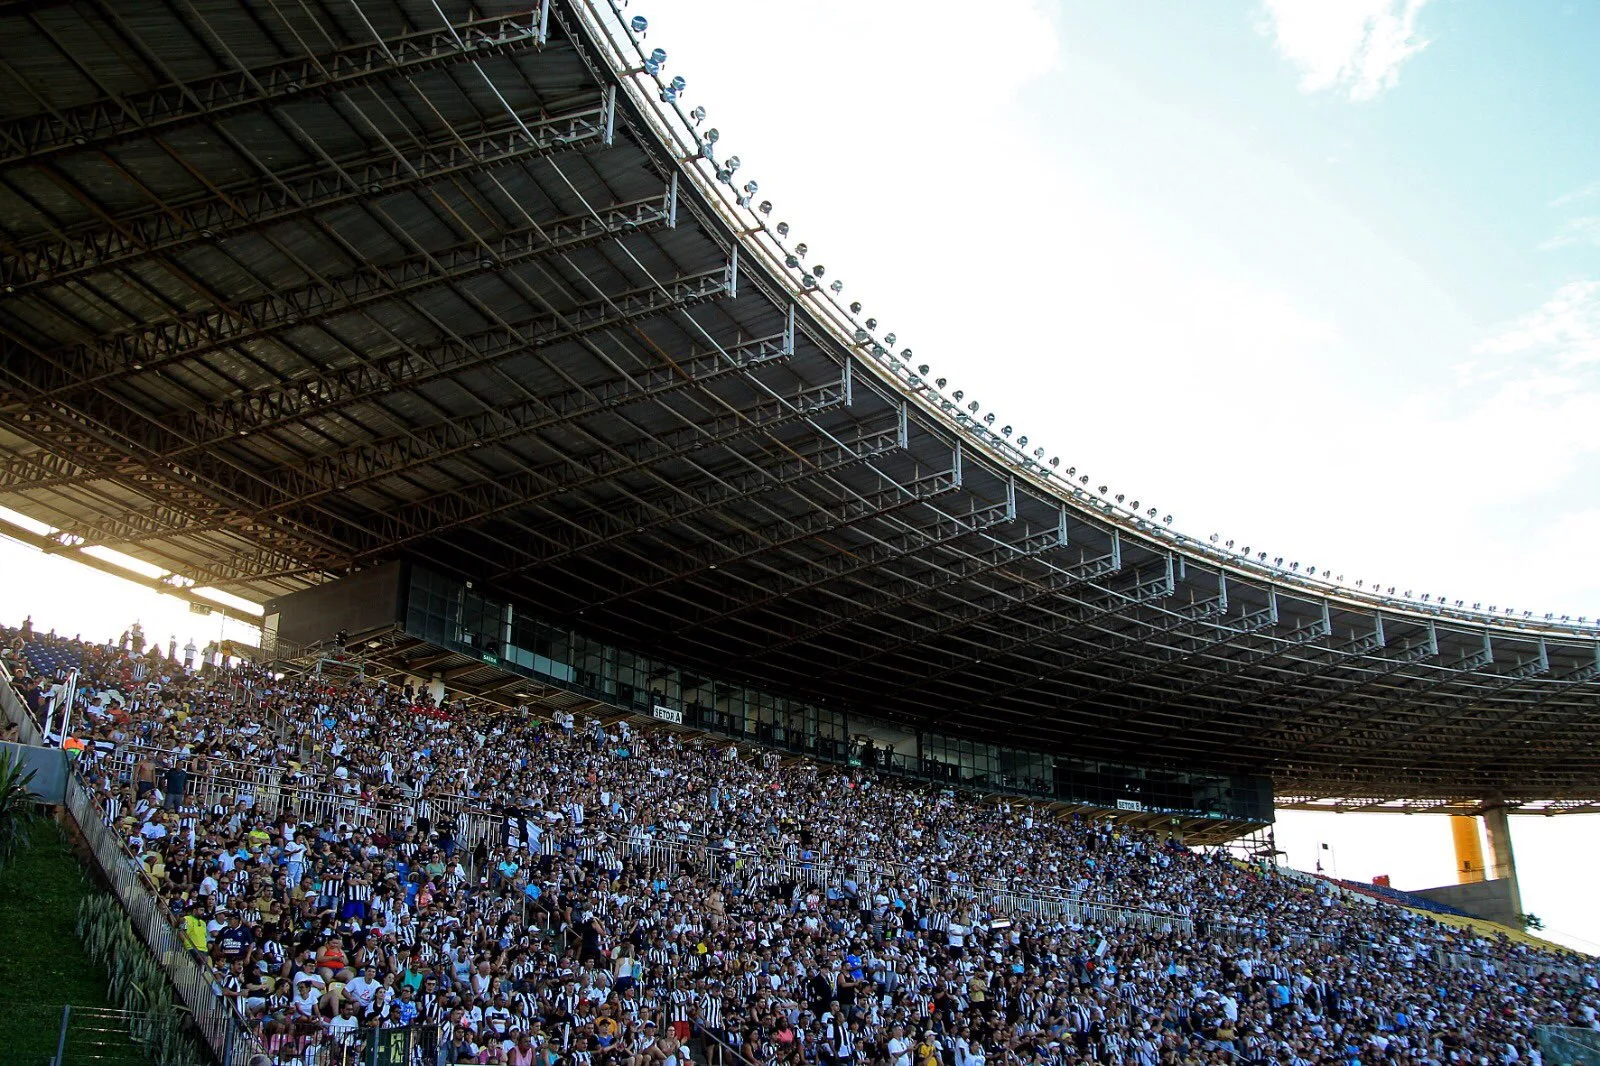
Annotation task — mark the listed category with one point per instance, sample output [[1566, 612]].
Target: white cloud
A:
[[1584, 230], [1354, 47], [1562, 334]]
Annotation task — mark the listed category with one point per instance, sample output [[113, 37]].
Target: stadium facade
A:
[[465, 304]]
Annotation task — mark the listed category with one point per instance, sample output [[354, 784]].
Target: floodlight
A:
[[698, 114], [855, 307], [766, 207], [712, 136], [942, 382], [889, 339], [988, 419], [790, 261], [837, 286], [783, 229], [801, 250], [923, 369], [819, 270], [973, 406], [750, 187], [733, 162], [959, 394], [1006, 430], [639, 24], [1022, 441], [872, 323]]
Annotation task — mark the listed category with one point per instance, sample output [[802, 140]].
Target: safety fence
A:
[[1565, 1045], [219, 1024], [16, 712]]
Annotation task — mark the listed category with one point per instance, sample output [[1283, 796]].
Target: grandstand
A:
[[447, 334]]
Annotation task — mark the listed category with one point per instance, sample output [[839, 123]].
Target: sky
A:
[[1321, 276]]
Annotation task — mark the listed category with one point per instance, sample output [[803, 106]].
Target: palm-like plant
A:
[[18, 809]]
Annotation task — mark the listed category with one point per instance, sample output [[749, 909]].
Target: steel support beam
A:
[[968, 567], [1108, 604], [731, 548], [901, 543], [151, 347], [471, 504], [613, 525], [303, 483], [475, 503], [295, 193], [164, 445], [109, 120]]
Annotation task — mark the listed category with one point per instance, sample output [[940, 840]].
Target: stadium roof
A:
[[293, 289]]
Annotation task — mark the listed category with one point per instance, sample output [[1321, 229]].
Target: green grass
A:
[[42, 962]]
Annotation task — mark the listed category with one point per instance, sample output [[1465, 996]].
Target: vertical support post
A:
[[61, 1041], [1469, 849], [1502, 863]]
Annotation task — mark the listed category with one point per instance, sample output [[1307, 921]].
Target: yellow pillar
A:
[[1469, 848]]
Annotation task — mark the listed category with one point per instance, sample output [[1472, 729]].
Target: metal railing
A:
[[28, 731], [1566, 1045], [218, 1023]]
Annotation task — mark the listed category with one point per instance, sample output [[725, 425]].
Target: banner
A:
[[667, 714]]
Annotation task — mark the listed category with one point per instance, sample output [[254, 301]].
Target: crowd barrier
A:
[[28, 731], [220, 1025]]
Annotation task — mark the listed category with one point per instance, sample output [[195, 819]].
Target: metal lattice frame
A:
[[290, 292]]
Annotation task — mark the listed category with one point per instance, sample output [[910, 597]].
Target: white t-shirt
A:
[[900, 1051]]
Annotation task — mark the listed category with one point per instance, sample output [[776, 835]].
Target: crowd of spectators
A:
[[553, 889]]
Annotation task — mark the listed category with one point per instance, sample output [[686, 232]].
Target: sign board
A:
[[1129, 805], [667, 714], [198, 608], [389, 1047], [491, 658]]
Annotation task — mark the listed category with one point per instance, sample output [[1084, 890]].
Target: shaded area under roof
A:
[[292, 291]]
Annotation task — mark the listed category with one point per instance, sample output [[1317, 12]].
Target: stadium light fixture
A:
[[639, 24], [698, 114], [790, 261], [988, 419], [959, 394], [783, 229], [713, 135], [889, 339], [942, 382], [905, 353], [923, 369], [1022, 441], [819, 270], [766, 207], [855, 307], [1038, 453], [973, 406], [733, 162], [872, 323], [1005, 431], [837, 286], [801, 249]]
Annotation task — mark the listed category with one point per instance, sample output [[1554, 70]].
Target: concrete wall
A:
[[49, 766], [1493, 900]]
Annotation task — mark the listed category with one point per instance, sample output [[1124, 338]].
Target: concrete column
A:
[[1502, 862], [1469, 848]]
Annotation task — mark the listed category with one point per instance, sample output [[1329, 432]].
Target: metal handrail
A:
[[219, 1023]]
